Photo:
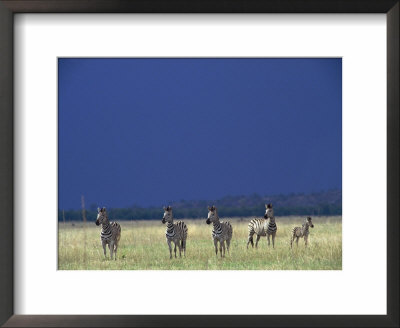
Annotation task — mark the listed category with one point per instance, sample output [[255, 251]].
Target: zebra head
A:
[[167, 215], [269, 211], [101, 215], [309, 222], [212, 214]]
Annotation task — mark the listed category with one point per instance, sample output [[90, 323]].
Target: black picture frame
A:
[[10, 7]]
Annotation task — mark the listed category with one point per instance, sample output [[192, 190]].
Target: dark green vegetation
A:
[[325, 203]]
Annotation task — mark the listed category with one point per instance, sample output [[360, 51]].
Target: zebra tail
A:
[[292, 237], [119, 232], [230, 230], [185, 233], [251, 234]]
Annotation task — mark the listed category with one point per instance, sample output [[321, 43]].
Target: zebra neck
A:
[[305, 227], [272, 220], [217, 228], [105, 227], [170, 229]]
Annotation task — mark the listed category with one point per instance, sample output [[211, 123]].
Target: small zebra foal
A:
[[176, 232], [222, 231], [110, 232], [261, 227], [303, 231]]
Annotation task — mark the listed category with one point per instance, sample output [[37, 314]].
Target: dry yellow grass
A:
[[143, 247]]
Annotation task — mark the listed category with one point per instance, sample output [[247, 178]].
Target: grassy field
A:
[[143, 247]]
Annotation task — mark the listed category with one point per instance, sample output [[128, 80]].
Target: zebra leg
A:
[[268, 239], [180, 249], [306, 240], [115, 251], [175, 249], [111, 250], [170, 248], [184, 247], [250, 240], [228, 242], [258, 238], [223, 246], [221, 242], [297, 241], [273, 240], [216, 246], [104, 248]]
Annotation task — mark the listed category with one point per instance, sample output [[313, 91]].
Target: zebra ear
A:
[[266, 206], [98, 210]]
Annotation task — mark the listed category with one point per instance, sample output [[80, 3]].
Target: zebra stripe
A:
[[222, 231], [175, 232], [263, 227], [272, 228], [258, 227], [110, 232], [300, 232]]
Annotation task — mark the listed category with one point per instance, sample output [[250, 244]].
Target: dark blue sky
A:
[[151, 131]]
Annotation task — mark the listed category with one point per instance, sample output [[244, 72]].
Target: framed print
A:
[[215, 112], [272, 139]]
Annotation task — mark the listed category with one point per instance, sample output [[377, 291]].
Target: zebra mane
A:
[[214, 210], [306, 223]]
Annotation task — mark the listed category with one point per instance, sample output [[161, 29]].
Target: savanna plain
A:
[[143, 247]]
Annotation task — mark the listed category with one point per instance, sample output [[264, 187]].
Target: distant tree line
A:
[[318, 203], [153, 213]]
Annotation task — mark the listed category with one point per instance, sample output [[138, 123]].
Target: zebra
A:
[[110, 232], [303, 231], [263, 227], [222, 231], [176, 232]]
